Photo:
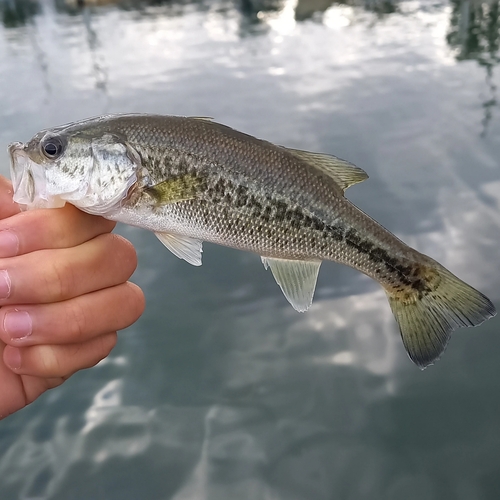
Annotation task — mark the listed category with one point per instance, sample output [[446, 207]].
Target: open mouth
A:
[[29, 181]]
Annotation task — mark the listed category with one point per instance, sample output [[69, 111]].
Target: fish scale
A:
[[302, 241], [192, 180]]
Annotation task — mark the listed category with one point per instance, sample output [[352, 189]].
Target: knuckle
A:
[[77, 320], [60, 279], [47, 361]]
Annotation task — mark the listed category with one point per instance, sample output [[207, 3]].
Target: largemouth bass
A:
[[192, 180]]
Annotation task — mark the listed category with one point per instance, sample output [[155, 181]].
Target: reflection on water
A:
[[221, 391], [18, 12], [98, 65], [475, 34], [474, 30]]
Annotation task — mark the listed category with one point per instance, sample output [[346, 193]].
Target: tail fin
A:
[[426, 317]]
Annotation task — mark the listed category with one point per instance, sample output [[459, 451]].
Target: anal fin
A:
[[297, 279], [184, 247]]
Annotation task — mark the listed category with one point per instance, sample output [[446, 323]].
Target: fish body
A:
[[192, 180]]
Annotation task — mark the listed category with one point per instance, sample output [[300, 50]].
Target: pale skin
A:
[[63, 295]]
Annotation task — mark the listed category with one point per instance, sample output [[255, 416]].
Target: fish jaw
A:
[[29, 181]]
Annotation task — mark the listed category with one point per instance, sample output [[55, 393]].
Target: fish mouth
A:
[[29, 180]]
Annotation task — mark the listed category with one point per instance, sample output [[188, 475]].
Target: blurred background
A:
[[221, 391]]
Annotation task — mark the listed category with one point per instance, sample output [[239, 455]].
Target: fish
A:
[[191, 179]]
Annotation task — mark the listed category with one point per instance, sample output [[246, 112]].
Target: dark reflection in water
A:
[[475, 34], [474, 30], [18, 12], [171, 7], [307, 9], [98, 65]]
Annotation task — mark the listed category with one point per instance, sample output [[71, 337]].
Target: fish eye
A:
[[52, 148]]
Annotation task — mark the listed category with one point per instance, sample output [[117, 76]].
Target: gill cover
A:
[[113, 173]]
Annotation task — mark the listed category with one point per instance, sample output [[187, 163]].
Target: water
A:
[[222, 391]]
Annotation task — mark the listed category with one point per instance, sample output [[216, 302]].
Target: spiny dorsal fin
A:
[[202, 118], [297, 279], [174, 190], [186, 248], [345, 174]]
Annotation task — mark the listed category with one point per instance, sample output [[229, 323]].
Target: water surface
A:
[[221, 390]]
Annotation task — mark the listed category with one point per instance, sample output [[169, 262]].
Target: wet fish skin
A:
[[191, 180]]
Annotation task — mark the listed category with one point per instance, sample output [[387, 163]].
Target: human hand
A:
[[63, 295]]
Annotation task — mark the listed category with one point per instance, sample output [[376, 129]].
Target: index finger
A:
[[25, 232], [49, 228]]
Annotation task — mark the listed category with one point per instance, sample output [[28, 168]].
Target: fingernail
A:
[[9, 244], [12, 357], [5, 284], [18, 324]]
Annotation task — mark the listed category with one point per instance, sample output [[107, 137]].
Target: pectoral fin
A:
[[174, 190], [345, 174], [297, 279], [186, 248]]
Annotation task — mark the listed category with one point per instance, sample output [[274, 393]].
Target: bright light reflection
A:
[[283, 22], [338, 16], [363, 322], [108, 397], [222, 27], [276, 71], [343, 358]]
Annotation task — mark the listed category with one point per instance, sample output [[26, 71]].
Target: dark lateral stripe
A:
[[380, 256], [224, 190]]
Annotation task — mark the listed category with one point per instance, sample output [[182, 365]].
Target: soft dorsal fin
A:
[[345, 174], [186, 248], [297, 279]]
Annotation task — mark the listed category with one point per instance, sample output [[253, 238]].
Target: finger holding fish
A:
[[54, 275], [27, 231], [30, 231]]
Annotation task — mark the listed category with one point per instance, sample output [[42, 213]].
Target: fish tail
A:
[[432, 307]]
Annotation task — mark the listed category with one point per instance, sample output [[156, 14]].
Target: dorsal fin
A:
[[345, 174], [202, 118]]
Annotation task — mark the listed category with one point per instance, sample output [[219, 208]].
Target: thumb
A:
[[7, 205]]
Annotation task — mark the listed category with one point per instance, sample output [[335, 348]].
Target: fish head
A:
[[88, 167]]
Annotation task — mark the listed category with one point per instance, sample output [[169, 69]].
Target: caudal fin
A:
[[426, 317]]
